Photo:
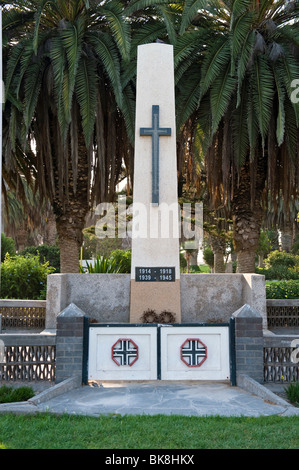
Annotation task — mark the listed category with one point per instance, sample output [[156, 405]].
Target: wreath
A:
[[150, 316], [166, 317]]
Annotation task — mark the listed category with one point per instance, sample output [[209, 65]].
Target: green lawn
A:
[[46, 431]]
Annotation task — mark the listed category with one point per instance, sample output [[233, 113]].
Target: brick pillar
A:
[[70, 343], [249, 343]]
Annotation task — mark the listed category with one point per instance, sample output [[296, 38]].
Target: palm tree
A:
[[239, 90], [284, 219], [64, 99], [217, 231]]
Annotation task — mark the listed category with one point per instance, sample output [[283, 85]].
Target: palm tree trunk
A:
[[50, 231], [70, 238], [22, 236], [69, 255], [248, 216], [218, 246], [246, 261], [71, 211], [219, 266], [286, 237], [246, 238]]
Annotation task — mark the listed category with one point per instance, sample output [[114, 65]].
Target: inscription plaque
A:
[[159, 274]]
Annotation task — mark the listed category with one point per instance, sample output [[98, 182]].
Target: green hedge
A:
[[278, 273], [50, 253], [282, 290], [24, 277], [7, 246], [280, 265]]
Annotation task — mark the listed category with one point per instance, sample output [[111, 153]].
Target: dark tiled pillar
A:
[[249, 343], [69, 343]]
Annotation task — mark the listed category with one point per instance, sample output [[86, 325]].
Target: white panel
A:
[[101, 365], [214, 367]]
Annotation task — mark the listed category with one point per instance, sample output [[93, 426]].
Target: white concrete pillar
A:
[[155, 226]]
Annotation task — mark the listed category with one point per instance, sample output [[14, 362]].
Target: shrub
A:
[[279, 272], [93, 245], [24, 277], [208, 256], [122, 259], [283, 290], [194, 268], [280, 265], [183, 262], [281, 258], [102, 265], [295, 247], [7, 246], [11, 394], [292, 392], [50, 253]]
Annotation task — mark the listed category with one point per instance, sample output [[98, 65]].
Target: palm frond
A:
[[58, 64], [37, 18], [214, 62], [191, 8], [14, 20], [291, 131], [33, 82], [280, 128], [240, 32], [188, 95], [128, 111], [145, 34], [238, 8], [168, 19], [290, 73], [240, 128], [13, 65], [243, 62], [252, 125], [72, 37], [137, 5], [220, 94], [106, 50], [289, 33], [86, 91], [187, 47], [119, 27], [262, 92]]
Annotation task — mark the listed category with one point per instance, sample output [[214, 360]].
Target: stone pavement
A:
[[157, 397]]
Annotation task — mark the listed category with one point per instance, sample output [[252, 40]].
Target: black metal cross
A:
[[125, 352], [155, 131], [193, 352]]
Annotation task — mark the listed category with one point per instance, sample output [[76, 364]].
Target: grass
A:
[[47, 431]]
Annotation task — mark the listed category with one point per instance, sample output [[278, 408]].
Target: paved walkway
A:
[[183, 398]]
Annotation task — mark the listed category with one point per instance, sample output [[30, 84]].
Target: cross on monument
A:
[[155, 131]]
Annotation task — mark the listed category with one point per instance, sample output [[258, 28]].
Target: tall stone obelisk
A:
[[155, 272]]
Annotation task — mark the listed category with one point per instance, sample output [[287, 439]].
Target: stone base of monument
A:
[[220, 333], [152, 301], [105, 298]]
